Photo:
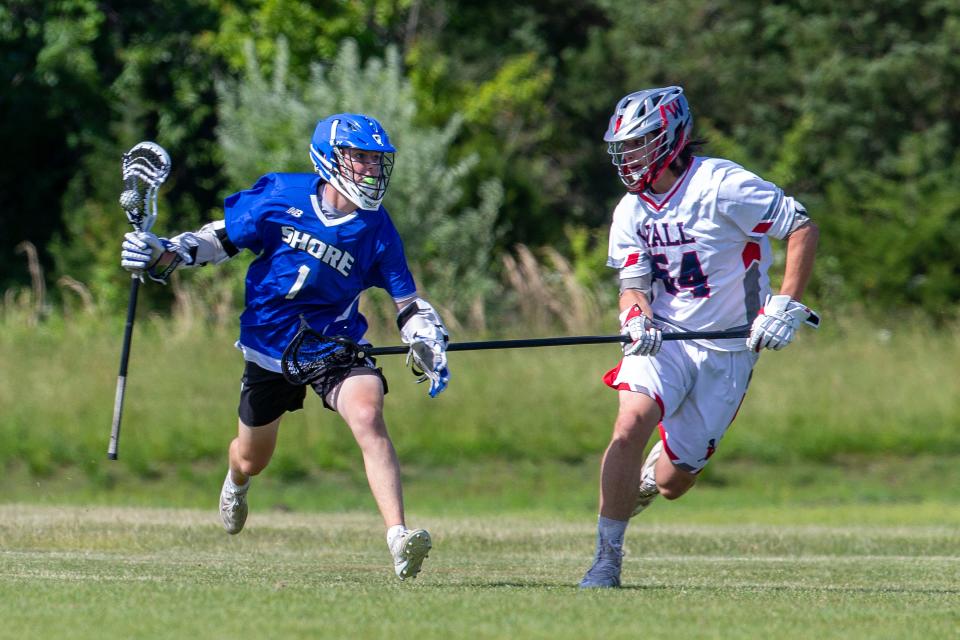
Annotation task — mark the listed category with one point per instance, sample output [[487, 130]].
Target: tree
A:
[[266, 124]]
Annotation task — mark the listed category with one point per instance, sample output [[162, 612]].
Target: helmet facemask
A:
[[362, 176], [647, 132], [639, 161]]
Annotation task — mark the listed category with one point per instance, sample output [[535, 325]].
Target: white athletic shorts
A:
[[699, 391]]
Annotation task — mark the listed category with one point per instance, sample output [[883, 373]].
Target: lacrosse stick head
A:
[[144, 167], [311, 357]]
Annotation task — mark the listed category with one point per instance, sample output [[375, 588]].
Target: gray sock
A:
[[612, 531]]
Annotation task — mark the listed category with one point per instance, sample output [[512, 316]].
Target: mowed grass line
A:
[[155, 573]]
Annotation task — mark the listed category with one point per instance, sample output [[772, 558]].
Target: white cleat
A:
[[645, 497], [408, 552], [233, 506], [648, 485]]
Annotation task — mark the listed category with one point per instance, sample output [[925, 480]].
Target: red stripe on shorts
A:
[[666, 447]]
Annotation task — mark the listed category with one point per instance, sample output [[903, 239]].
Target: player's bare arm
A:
[[781, 315], [801, 249], [631, 297]]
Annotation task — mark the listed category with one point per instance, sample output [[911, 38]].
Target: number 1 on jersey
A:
[[302, 274]]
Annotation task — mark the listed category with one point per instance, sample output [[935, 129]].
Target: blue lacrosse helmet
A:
[[353, 153]]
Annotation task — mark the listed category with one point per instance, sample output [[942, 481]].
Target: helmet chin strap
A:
[[338, 199], [646, 182]]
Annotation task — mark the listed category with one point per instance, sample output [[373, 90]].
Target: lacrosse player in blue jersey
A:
[[321, 239]]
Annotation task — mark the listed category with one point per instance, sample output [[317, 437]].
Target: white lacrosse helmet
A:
[[647, 131]]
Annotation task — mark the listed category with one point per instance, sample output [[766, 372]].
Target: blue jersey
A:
[[308, 264]]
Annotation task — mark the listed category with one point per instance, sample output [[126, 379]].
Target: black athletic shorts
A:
[[266, 395]]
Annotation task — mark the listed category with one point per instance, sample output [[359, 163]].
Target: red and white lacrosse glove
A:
[[645, 335], [778, 321]]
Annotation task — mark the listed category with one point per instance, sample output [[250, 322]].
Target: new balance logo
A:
[[296, 213]]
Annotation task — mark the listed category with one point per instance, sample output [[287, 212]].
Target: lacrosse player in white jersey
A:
[[321, 239], [691, 242]]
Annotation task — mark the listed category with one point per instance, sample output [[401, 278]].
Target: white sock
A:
[[234, 486], [395, 532], [612, 531]]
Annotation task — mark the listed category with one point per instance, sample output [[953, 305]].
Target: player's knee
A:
[[369, 430], [675, 486], [365, 418], [251, 461], [632, 429], [252, 466]]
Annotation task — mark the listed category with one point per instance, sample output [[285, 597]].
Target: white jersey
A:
[[705, 244]]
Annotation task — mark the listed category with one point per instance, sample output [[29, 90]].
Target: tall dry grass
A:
[[548, 295], [858, 387]]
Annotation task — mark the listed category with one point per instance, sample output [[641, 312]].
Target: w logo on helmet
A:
[[376, 138], [674, 108]]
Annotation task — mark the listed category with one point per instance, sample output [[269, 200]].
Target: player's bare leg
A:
[[249, 453], [620, 470], [672, 482], [359, 401], [660, 476], [620, 474], [251, 450]]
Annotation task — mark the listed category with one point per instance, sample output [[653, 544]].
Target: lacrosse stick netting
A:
[[312, 357], [144, 168]]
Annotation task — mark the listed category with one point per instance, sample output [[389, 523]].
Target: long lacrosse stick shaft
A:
[[122, 375], [561, 341], [144, 168]]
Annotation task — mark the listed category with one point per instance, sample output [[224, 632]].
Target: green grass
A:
[[922, 490], [103, 572], [834, 395], [829, 511]]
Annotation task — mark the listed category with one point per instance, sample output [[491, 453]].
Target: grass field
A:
[[830, 510], [101, 572], [835, 393]]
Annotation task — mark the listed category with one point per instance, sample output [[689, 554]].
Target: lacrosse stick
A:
[[311, 355], [144, 167]]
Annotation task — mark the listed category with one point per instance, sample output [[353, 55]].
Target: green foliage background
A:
[[498, 111]]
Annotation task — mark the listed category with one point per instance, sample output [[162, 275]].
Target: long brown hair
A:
[[682, 161]]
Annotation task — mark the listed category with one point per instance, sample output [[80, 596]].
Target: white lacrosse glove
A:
[[778, 322], [421, 328], [645, 335], [144, 253]]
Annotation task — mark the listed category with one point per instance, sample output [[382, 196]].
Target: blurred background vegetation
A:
[[498, 112], [503, 193]]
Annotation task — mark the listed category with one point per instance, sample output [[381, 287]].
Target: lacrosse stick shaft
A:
[[122, 375], [561, 341], [144, 168]]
